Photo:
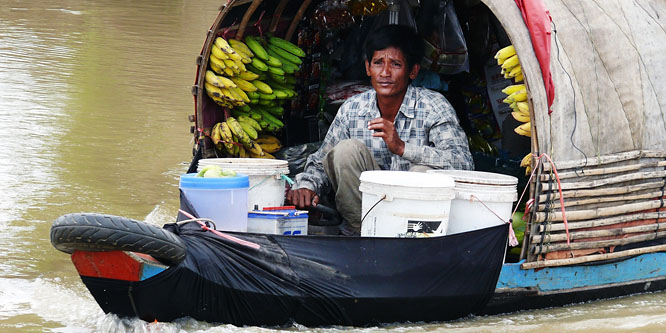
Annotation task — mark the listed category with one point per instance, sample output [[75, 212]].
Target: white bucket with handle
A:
[[405, 204], [482, 199], [267, 178]]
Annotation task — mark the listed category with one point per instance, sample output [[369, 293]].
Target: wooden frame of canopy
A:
[[604, 134]]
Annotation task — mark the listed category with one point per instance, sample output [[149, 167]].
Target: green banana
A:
[[255, 46], [285, 55], [287, 46], [249, 120], [249, 129], [258, 64], [262, 87], [271, 119]]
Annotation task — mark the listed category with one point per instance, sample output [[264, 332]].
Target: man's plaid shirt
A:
[[426, 122]]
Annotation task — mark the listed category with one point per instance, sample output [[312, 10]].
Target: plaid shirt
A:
[[426, 122]]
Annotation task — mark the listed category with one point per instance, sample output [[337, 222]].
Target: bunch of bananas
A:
[[253, 79], [517, 93], [517, 99], [526, 163], [508, 59], [239, 138]]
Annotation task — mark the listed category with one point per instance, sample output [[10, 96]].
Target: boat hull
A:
[[252, 279], [519, 289]]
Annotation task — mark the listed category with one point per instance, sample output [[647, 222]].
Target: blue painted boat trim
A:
[[646, 266], [149, 271]]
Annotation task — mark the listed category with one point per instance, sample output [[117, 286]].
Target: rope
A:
[[513, 241], [221, 234], [373, 207]]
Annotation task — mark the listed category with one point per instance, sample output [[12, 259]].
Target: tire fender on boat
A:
[[101, 232]]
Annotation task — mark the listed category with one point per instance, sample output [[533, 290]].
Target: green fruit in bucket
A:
[[205, 169], [228, 173]]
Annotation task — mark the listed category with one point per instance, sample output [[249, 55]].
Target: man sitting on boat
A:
[[394, 126]]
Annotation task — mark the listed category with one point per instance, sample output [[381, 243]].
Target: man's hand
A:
[[302, 198], [386, 130]]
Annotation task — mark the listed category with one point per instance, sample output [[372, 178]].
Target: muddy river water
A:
[[94, 99]]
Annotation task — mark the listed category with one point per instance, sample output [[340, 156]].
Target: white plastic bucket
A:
[[405, 204], [223, 200], [267, 187], [494, 195]]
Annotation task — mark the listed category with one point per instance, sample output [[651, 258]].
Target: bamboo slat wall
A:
[[613, 201]]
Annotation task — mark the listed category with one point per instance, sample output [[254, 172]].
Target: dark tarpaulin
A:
[[314, 280]]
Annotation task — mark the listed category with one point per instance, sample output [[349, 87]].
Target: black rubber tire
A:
[[99, 232]]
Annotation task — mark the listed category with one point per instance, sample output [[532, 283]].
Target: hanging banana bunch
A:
[[253, 79]]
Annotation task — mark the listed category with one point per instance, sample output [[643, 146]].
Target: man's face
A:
[[389, 73]]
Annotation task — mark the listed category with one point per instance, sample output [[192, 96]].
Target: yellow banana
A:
[[521, 117], [227, 137], [504, 54], [238, 91], [240, 46], [515, 71], [243, 138], [519, 78], [265, 155], [225, 47], [511, 62], [513, 88], [215, 51], [215, 80], [243, 84], [231, 64], [524, 129], [215, 134], [526, 161], [248, 76], [268, 139], [523, 107], [217, 61], [229, 72], [228, 95], [242, 153], [213, 90], [519, 96]]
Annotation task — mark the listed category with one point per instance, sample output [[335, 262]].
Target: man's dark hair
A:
[[402, 37]]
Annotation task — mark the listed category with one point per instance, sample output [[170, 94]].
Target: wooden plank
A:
[[605, 171], [588, 214], [606, 159], [625, 198], [545, 248], [561, 237], [660, 260], [600, 192], [551, 227], [614, 180]]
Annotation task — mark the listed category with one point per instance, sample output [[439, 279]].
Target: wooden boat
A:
[[594, 223]]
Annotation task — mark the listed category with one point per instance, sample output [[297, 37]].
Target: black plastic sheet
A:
[[257, 279]]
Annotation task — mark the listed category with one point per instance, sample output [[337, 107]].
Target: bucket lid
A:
[[407, 179], [478, 177], [190, 180], [244, 162]]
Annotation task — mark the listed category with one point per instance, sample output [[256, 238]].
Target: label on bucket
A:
[[409, 228], [419, 228]]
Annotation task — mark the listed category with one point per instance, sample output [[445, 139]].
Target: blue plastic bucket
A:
[[223, 199]]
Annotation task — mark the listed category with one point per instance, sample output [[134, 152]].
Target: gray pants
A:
[[343, 165]]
